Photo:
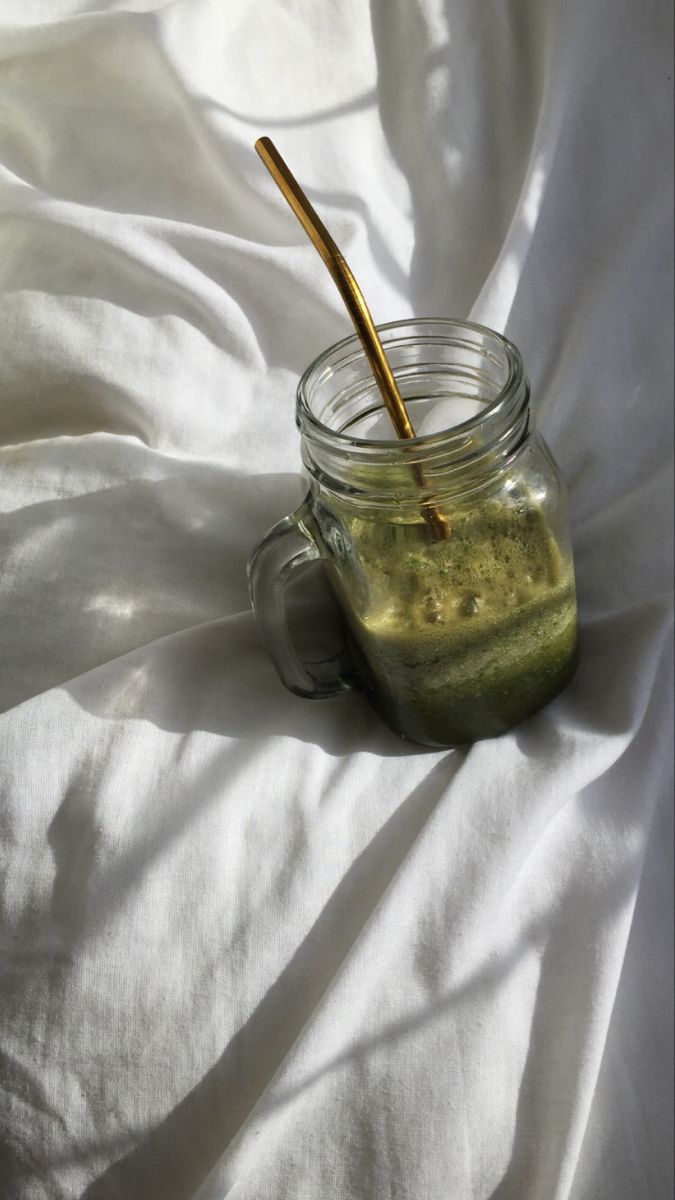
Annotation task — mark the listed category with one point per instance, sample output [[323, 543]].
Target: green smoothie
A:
[[459, 639]]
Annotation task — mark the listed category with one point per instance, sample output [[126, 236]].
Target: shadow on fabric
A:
[[149, 613], [121, 566], [179, 1154], [175, 1159]]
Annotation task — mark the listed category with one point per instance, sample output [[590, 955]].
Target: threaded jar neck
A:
[[467, 396]]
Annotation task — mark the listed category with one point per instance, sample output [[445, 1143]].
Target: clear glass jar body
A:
[[459, 635]]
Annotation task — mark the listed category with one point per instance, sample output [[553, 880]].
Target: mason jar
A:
[[448, 553]]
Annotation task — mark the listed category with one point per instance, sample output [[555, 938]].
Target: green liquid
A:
[[461, 639]]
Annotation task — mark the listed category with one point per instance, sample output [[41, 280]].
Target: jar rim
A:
[[310, 423]]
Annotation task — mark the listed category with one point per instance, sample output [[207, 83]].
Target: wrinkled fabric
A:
[[255, 946]]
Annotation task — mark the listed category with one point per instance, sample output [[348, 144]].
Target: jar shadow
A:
[[149, 614]]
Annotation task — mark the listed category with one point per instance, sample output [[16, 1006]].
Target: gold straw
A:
[[357, 308]]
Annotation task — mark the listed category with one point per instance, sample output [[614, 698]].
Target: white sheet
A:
[[254, 946]]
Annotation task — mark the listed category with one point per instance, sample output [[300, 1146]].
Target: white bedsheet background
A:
[[254, 946]]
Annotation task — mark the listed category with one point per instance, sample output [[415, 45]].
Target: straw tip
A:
[[263, 144]]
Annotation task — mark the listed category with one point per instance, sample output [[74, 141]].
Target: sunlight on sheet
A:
[[112, 606]]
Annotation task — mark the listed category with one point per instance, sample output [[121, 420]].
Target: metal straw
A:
[[357, 308]]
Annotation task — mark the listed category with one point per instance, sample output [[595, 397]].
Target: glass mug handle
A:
[[288, 545]]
